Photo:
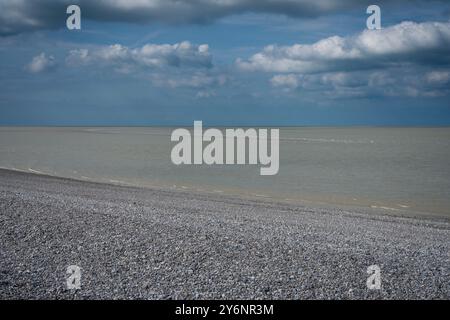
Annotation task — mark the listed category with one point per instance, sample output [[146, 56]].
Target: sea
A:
[[404, 170]]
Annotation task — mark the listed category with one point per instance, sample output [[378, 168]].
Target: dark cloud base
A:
[[18, 16]]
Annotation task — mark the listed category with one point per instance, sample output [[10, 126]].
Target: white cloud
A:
[[408, 59], [438, 77], [41, 63], [183, 54], [179, 65], [399, 44], [355, 84], [287, 81]]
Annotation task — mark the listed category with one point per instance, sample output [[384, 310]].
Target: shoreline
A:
[[234, 194], [142, 243]]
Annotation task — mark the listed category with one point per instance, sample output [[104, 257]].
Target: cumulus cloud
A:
[[331, 80], [40, 63], [123, 58], [172, 66], [287, 81], [21, 15], [407, 42], [408, 59], [438, 77], [394, 82]]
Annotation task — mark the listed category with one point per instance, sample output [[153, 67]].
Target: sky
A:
[[225, 62]]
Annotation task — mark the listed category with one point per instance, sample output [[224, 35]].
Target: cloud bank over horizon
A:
[[382, 62]]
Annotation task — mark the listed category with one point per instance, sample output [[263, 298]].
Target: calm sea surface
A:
[[396, 169]]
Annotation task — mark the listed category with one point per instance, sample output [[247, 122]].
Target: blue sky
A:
[[233, 62]]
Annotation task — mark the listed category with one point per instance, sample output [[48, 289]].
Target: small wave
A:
[[14, 169], [117, 181], [36, 171], [385, 208], [260, 195]]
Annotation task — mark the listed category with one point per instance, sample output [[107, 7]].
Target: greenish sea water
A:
[[393, 169]]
